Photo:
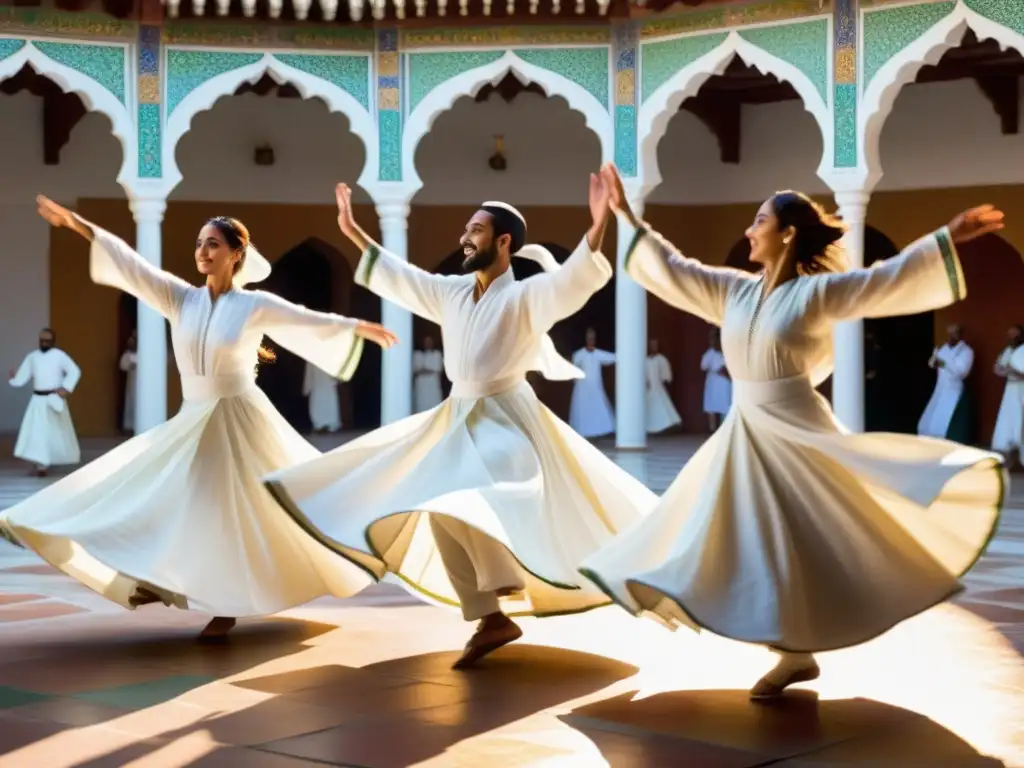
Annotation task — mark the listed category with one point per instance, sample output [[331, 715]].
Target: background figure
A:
[[427, 365], [322, 390], [717, 382], [661, 413], [874, 399], [1008, 436], [590, 411], [129, 361], [47, 435], [948, 413]]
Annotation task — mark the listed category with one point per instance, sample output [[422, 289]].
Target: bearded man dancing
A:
[[488, 502]]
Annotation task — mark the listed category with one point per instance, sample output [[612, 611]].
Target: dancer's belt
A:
[[44, 392], [476, 389], [198, 388], [757, 393]]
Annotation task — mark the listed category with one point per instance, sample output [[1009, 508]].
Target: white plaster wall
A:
[[88, 167]]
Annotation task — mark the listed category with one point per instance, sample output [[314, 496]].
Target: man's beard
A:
[[479, 259], [1016, 341], [45, 345]]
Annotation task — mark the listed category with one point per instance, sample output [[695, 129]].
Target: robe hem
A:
[[998, 467], [366, 264], [351, 363]]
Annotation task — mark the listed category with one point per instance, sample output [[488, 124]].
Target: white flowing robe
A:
[[427, 366], [717, 388], [491, 457], [590, 411], [129, 361], [785, 528], [181, 509], [949, 388], [47, 435], [1009, 432], [661, 412], [322, 390]]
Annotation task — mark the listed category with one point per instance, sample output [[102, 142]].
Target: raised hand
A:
[[616, 192], [376, 333], [598, 197], [975, 222], [346, 219], [55, 215]]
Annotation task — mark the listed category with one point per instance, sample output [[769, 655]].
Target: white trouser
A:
[[477, 565]]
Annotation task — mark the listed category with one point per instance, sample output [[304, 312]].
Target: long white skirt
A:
[[786, 530], [47, 435], [1009, 432], [503, 464], [661, 413], [181, 510], [590, 411], [717, 394], [324, 408]]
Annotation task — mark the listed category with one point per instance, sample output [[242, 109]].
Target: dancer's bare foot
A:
[[492, 633], [142, 596], [786, 673], [218, 628]]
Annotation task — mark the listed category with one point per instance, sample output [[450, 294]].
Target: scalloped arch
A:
[[663, 103], [202, 98], [880, 95], [440, 99], [94, 95]]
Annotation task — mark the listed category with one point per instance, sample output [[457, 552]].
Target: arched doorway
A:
[[366, 383], [127, 322], [993, 271], [897, 351], [568, 335], [315, 275]]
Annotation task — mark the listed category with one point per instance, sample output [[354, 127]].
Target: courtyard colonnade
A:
[[627, 79]]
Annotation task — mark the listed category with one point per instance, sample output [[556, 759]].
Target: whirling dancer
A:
[[47, 436], [590, 411], [784, 529], [489, 498], [179, 514], [661, 413]]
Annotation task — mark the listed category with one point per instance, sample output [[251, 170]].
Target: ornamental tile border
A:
[[661, 60], [1008, 13], [625, 112], [888, 31], [733, 15], [103, 63], [244, 35], [351, 73], [587, 67], [188, 69], [845, 149], [804, 44], [149, 130], [504, 37], [77, 24], [10, 46], [389, 106], [427, 71]]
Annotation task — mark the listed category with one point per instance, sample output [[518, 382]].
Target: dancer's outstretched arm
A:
[[926, 276], [391, 278], [331, 342], [114, 263], [556, 294], [655, 264]]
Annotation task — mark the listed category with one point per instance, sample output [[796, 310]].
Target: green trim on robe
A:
[[366, 264], [637, 237], [355, 353], [951, 261]]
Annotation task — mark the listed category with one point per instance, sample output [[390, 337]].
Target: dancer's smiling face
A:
[[479, 245], [768, 244], [214, 254]]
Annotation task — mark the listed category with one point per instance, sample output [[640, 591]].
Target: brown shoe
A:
[[774, 684], [492, 633]]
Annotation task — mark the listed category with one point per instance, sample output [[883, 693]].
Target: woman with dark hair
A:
[[179, 514], [785, 529]]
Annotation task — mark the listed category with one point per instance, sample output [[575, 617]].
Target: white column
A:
[[848, 378], [630, 350], [151, 369], [396, 374]]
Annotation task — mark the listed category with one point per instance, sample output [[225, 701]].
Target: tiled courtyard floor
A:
[[366, 681]]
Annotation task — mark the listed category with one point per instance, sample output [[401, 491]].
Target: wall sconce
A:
[[497, 160], [264, 155]]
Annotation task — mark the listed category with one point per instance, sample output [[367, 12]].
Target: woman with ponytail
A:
[[179, 514], [785, 529]]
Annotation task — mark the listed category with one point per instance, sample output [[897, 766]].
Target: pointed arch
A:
[[202, 98], [94, 95], [662, 105], [885, 86], [440, 99]]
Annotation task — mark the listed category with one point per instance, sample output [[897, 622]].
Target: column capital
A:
[[853, 199], [393, 213], [148, 209]]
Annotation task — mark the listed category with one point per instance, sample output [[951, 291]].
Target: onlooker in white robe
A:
[[47, 435], [661, 412], [488, 502], [590, 411], [129, 362], [322, 390], [953, 362], [1008, 437], [717, 384], [427, 366]]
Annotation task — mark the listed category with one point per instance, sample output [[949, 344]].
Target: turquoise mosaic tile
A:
[[429, 70], [350, 73], [187, 70], [103, 63], [805, 45], [587, 67], [888, 31], [660, 61]]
